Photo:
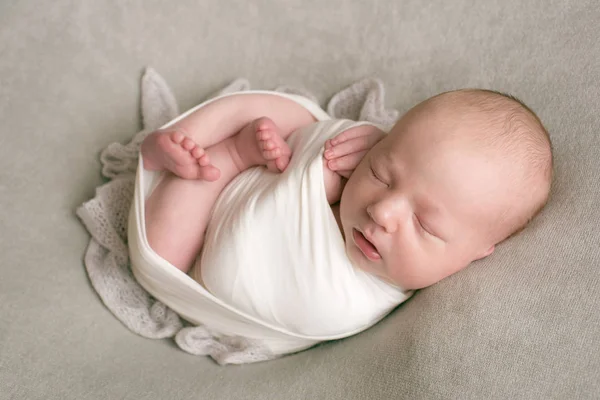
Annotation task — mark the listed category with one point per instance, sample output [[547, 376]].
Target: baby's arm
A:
[[342, 155]]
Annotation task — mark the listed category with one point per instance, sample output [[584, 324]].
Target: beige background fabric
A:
[[523, 323]]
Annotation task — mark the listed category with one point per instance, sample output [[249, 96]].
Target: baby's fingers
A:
[[351, 146], [349, 134], [347, 162], [357, 132]]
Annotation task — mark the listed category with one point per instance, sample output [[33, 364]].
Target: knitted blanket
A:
[[105, 217]]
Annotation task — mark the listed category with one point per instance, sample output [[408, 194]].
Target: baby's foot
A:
[[173, 151], [274, 149]]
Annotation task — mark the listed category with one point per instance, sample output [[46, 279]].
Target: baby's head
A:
[[457, 174]]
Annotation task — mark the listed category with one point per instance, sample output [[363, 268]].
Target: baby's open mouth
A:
[[367, 248]]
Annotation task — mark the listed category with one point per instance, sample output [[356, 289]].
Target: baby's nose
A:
[[386, 213]]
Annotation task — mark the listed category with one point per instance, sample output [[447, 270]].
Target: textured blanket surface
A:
[[521, 324], [105, 217]]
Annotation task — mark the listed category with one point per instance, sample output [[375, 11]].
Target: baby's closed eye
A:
[[377, 177], [425, 229], [422, 227]]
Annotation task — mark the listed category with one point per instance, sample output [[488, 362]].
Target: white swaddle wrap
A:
[[274, 259], [273, 248]]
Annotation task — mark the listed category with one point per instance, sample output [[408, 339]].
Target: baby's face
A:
[[419, 206]]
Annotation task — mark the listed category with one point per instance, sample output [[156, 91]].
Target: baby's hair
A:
[[510, 125]]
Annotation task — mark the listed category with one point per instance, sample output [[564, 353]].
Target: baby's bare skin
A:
[[183, 194], [423, 202], [259, 143], [194, 183], [171, 150]]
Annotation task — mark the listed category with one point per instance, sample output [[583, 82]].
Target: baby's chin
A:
[[360, 262]]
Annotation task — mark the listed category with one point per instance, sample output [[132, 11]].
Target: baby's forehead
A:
[[438, 160], [446, 129]]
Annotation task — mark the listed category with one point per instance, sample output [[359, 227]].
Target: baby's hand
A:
[[344, 152]]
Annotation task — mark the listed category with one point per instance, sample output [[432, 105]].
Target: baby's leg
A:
[[217, 121], [178, 210]]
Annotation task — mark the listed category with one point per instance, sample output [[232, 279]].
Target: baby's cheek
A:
[[391, 268], [407, 270], [351, 194], [346, 203], [395, 275]]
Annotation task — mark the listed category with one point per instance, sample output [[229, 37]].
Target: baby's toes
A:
[[188, 144], [208, 173], [264, 124], [177, 137], [204, 160], [264, 135], [279, 164], [272, 154], [267, 145], [197, 152], [282, 162]]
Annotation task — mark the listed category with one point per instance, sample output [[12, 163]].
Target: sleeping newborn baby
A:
[[458, 174]]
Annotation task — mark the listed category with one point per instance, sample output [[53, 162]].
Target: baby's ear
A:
[[158, 103], [486, 253]]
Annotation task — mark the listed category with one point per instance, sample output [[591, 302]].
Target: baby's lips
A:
[[366, 246], [368, 236]]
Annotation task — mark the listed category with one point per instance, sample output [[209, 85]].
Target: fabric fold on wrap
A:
[[278, 329]]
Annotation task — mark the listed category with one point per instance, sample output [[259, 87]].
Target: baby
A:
[[458, 174]]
